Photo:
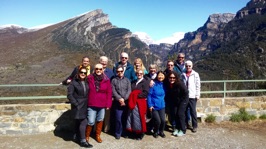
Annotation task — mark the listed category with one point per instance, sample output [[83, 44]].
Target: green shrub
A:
[[263, 116], [235, 118], [210, 118], [242, 116]]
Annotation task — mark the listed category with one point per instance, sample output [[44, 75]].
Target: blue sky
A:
[[158, 18]]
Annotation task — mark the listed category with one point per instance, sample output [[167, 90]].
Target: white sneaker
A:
[[175, 132], [180, 133]]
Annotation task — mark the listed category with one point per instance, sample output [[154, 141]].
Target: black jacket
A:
[[176, 94], [78, 98], [143, 86]]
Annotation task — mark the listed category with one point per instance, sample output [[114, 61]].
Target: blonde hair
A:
[[138, 60]]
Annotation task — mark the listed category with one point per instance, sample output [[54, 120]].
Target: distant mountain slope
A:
[[48, 55], [232, 49]]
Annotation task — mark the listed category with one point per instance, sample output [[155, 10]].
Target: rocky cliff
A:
[[230, 47]]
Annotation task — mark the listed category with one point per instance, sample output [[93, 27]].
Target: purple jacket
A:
[[102, 98]]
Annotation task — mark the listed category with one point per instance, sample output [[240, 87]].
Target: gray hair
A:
[[103, 58]]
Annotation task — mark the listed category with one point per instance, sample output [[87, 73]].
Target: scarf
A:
[[97, 80]]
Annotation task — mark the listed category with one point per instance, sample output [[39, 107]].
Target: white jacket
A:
[[193, 83]]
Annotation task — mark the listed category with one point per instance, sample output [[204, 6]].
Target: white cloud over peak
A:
[[171, 40]]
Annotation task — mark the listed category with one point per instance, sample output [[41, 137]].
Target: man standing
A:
[[85, 63], [109, 73], [170, 67], [179, 65], [128, 68]]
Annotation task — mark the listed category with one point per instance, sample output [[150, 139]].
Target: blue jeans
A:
[[95, 113]]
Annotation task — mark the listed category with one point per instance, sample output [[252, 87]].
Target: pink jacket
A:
[[102, 98]]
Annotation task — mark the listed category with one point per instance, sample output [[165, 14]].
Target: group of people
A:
[[133, 93]]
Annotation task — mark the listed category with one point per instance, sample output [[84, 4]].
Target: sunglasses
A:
[[83, 72], [124, 57], [98, 69]]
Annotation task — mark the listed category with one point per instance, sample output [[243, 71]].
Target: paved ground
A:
[[251, 135]]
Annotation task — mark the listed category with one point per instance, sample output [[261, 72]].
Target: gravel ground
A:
[[250, 135]]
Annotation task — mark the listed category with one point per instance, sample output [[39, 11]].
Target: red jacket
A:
[[133, 100], [102, 98]]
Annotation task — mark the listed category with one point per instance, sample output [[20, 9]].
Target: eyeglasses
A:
[[171, 77], [98, 69], [83, 72], [124, 57], [119, 71], [188, 66]]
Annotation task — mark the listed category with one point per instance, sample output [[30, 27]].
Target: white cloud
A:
[[171, 40], [144, 37]]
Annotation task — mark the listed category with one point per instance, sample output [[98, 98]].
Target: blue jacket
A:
[[129, 73], [156, 96], [109, 73]]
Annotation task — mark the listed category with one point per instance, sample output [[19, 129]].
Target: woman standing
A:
[[138, 65], [177, 99], [137, 104], [78, 96], [100, 97], [121, 88], [156, 105], [192, 80]]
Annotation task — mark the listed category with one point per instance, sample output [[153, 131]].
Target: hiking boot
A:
[[189, 127], [155, 135], [85, 144], [162, 134], [194, 130]]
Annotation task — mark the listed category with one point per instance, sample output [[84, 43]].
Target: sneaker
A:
[[194, 130], [180, 133], [175, 132]]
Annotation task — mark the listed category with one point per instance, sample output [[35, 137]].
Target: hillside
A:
[[49, 55], [229, 47]]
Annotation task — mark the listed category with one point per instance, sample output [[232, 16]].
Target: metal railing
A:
[[225, 90]]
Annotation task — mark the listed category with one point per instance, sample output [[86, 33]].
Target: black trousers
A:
[[81, 125], [181, 115], [158, 117], [192, 103]]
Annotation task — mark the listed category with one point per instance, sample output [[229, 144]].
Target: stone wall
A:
[[34, 118], [38, 118], [223, 108]]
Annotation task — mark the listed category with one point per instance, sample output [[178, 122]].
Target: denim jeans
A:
[[95, 113]]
